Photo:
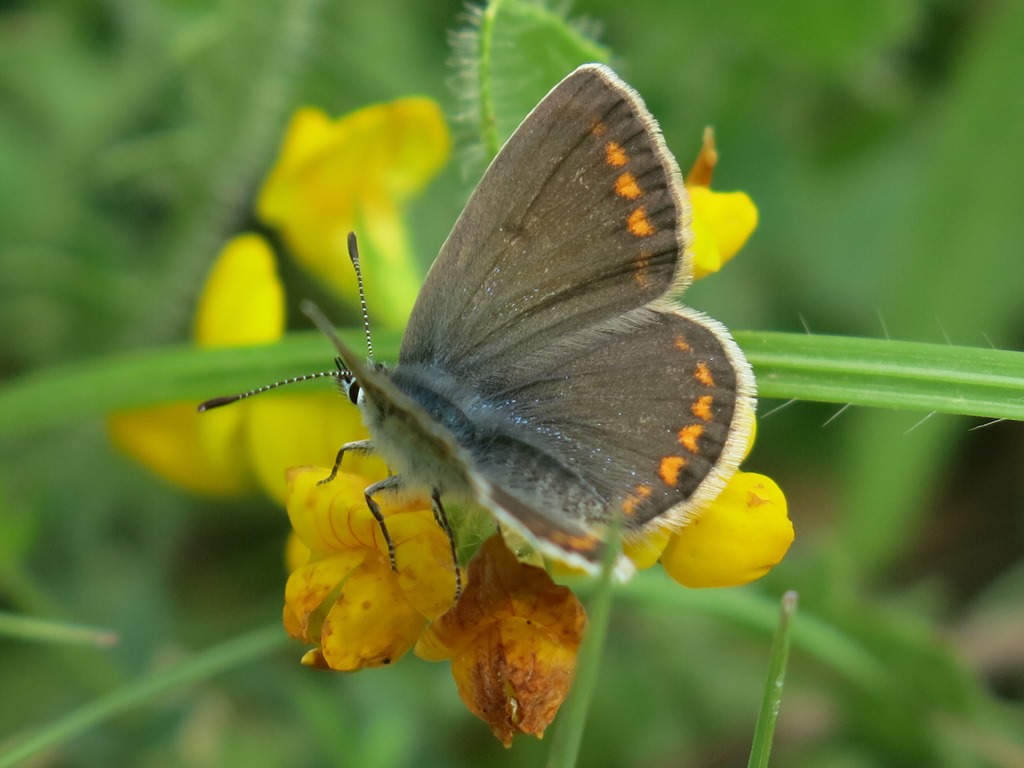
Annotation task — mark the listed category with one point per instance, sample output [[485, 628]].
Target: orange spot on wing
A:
[[703, 374], [638, 224], [634, 499], [574, 542], [689, 435], [598, 128], [702, 408], [626, 186], [640, 273], [615, 155], [669, 468], [681, 344]]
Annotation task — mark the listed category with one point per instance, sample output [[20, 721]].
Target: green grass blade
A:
[[874, 372], [816, 637], [764, 732], [893, 374], [234, 653], [37, 630]]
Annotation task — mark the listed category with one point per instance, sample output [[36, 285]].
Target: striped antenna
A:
[[217, 402], [353, 254], [340, 373]]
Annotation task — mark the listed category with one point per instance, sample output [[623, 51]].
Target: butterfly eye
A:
[[353, 392]]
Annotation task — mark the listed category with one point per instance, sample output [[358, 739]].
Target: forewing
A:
[[580, 218]]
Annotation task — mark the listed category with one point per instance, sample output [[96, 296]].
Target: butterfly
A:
[[546, 372]]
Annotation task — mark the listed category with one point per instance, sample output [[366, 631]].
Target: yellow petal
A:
[[371, 624], [645, 548], [426, 569], [722, 223], [308, 589], [242, 301], [353, 174], [309, 133], [295, 430], [170, 441], [330, 517], [706, 257], [751, 438], [738, 538]]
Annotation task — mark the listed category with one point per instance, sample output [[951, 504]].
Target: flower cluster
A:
[[513, 634], [342, 595]]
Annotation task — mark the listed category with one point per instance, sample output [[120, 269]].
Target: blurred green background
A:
[[882, 141]]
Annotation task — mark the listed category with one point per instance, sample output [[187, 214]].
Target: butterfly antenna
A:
[[217, 402], [353, 254]]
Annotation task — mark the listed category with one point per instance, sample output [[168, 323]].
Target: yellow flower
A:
[[354, 174], [738, 538], [243, 301], [204, 454], [345, 599], [722, 221], [331, 177], [512, 638], [247, 445]]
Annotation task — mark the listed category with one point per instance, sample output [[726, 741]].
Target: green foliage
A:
[[509, 57], [881, 143]]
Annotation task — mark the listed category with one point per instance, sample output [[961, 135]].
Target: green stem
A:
[[488, 118], [565, 747]]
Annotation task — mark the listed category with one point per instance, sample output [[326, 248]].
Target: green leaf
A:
[[514, 53], [171, 374]]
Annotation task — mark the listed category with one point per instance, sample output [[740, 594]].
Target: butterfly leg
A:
[[384, 485], [358, 446], [442, 521]]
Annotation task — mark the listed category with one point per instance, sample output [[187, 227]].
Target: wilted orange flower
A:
[[512, 638]]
